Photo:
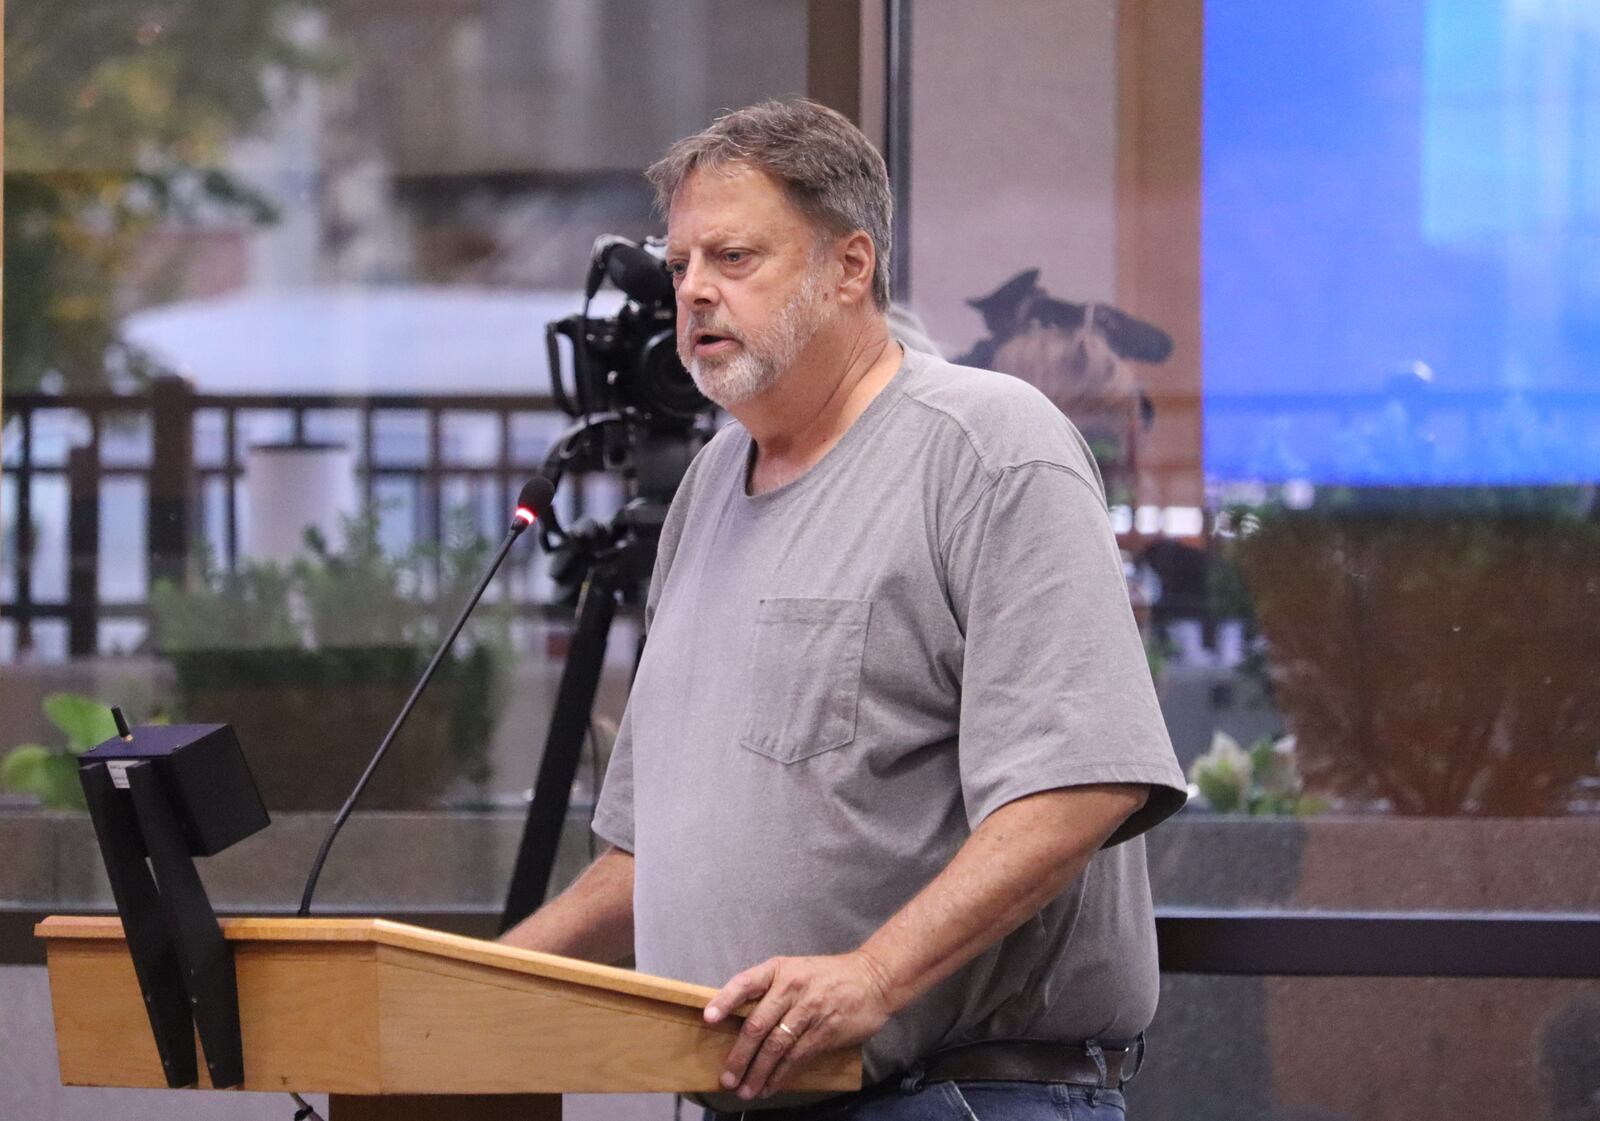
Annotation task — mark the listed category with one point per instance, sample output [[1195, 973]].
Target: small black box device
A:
[[159, 796], [203, 772]]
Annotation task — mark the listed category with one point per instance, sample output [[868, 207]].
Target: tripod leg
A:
[[569, 725], [150, 941], [207, 960]]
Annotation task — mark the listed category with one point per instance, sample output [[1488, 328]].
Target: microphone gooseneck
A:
[[533, 502]]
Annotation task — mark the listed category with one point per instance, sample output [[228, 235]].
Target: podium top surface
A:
[[382, 932]]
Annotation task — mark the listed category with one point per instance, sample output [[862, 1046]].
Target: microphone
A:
[[533, 502], [636, 271], [639, 273]]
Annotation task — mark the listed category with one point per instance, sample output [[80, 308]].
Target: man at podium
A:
[[893, 739]]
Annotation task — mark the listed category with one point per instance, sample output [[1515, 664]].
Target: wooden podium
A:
[[394, 1021]]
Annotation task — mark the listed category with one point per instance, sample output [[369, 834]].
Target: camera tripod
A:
[[611, 564]]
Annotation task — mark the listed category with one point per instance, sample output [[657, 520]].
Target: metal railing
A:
[[176, 479]]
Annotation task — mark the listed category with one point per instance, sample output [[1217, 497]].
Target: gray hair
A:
[[826, 165]]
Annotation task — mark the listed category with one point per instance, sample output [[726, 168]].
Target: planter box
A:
[[439, 860], [310, 721]]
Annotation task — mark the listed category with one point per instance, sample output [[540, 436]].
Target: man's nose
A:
[[695, 289]]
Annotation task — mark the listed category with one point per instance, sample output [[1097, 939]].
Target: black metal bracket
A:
[[185, 967], [149, 937]]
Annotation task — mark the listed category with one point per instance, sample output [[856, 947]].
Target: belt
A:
[[1018, 1060], [999, 1060]]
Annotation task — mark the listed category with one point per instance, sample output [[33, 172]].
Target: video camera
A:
[[640, 414], [630, 361]]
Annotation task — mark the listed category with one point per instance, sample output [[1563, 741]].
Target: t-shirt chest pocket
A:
[[805, 676]]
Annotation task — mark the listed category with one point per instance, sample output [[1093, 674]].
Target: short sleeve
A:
[[1056, 688]]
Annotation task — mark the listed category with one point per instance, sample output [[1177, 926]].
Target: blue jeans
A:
[[978, 1101]]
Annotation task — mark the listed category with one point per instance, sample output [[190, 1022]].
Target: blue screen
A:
[[1401, 241]]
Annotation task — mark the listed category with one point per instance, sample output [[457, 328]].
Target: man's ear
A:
[[857, 257]]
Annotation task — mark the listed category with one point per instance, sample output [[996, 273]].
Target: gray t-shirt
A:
[[844, 676]]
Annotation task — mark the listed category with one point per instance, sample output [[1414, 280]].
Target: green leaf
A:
[[84, 721], [1220, 787], [1223, 774], [22, 768], [62, 788], [50, 776], [1274, 771]]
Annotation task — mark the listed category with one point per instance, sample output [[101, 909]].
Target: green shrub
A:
[[51, 773], [1262, 780], [346, 617]]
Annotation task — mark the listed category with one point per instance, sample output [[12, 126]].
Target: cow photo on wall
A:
[[1081, 356]]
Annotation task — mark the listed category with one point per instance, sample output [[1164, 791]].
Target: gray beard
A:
[[764, 356]]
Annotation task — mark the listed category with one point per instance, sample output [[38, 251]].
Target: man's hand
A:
[[807, 1006]]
